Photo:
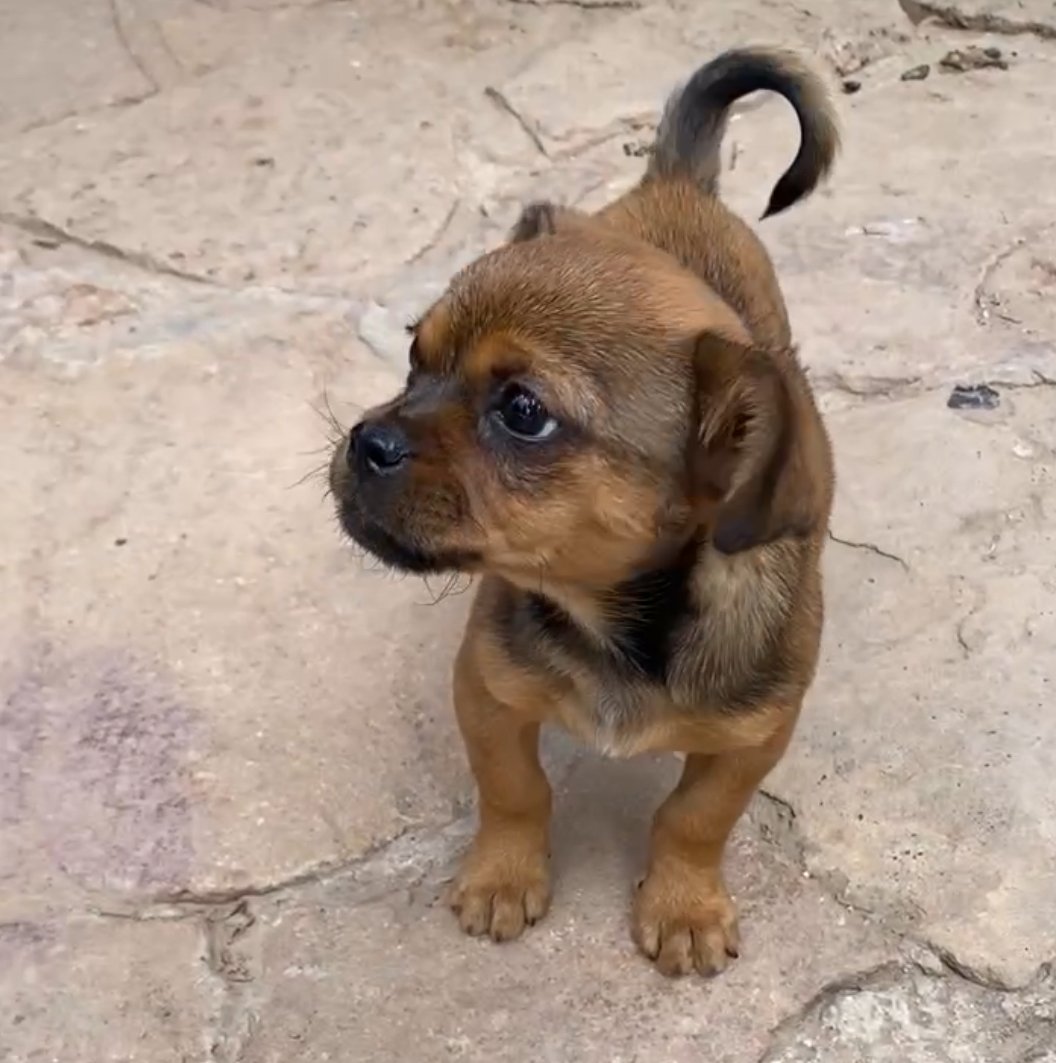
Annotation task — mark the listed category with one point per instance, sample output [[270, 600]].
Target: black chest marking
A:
[[642, 618]]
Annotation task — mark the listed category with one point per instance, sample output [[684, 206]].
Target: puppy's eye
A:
[[522, 413]]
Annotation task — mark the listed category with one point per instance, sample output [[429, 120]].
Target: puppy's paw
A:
[[500, 890], [684, 920]]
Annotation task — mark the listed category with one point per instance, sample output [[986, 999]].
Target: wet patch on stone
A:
[[100, 762]]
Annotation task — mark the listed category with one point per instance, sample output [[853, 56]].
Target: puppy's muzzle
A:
[[377, 448], [371, 476]]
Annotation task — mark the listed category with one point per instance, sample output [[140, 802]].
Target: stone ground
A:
[[230, 785]]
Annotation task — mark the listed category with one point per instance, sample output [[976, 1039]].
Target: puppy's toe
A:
[[514, 908], [685, 926], [498, 900], [473, 909], [536, 901], [676, 952], [713, 949]]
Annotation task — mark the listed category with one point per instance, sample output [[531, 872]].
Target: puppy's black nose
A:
[[377, 449]]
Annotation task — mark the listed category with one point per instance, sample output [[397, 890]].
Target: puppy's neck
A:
[[629, 625]]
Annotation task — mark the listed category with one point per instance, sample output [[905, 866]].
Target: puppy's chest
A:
[[615, 718], [617, 681], [662, 671]]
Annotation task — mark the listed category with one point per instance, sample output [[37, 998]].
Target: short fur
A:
[[650, 574]]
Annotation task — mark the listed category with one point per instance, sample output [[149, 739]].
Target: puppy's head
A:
[[577, 405]]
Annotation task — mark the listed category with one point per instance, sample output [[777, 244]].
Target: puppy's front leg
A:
[[504, 882], [684, 918]]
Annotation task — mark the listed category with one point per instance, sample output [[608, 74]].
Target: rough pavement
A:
[[231, 788]]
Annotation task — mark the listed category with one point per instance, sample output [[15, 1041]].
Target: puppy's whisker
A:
[[337, 430], [330, 411], [452, 588], [448, 587], [434, 597], [318, 470], [327, 418]]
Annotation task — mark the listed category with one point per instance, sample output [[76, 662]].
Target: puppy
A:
[[606, 421]]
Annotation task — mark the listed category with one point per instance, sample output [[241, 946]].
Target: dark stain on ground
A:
[[96, 750]]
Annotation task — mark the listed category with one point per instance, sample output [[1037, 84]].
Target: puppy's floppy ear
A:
[[752, 456], [543, 219]]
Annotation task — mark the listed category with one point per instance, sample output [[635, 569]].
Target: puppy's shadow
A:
[[603, 808]]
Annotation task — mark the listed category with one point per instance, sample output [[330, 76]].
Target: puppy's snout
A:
[[377, 448]]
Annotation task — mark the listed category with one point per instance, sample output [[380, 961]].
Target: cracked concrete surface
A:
[[231, 789]]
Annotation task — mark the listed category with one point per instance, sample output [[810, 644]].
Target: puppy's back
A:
[[715, 244]]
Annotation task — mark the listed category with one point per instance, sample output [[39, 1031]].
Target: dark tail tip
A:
[[798, 181], [695, 118]]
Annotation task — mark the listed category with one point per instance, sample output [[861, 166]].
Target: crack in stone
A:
[[897, 388], [314, 875], [983, 22], [778, 822], [86, 112], [959, 631], [227, 917], [52, 235], [41, 229], [874, 977], [983, 305], [500, 101], [223, 928], [961, 640], [122, 37], [161, 914], [1040, 381], [583, 5], [145, 44], [889, 976], [403, 859], [868, 387], [435, 239], [985, 979], [871, 548], [230, 963], [778, 826]]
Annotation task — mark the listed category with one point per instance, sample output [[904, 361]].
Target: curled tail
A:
[[694, 120]]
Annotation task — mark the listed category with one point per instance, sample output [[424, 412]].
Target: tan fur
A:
[[690, 461]]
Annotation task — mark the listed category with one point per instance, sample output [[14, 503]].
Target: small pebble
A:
[[973, 397], [972, 58], [917, 73], [851, 86]]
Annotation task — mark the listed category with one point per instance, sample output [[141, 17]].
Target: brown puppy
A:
[[605, 419]]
